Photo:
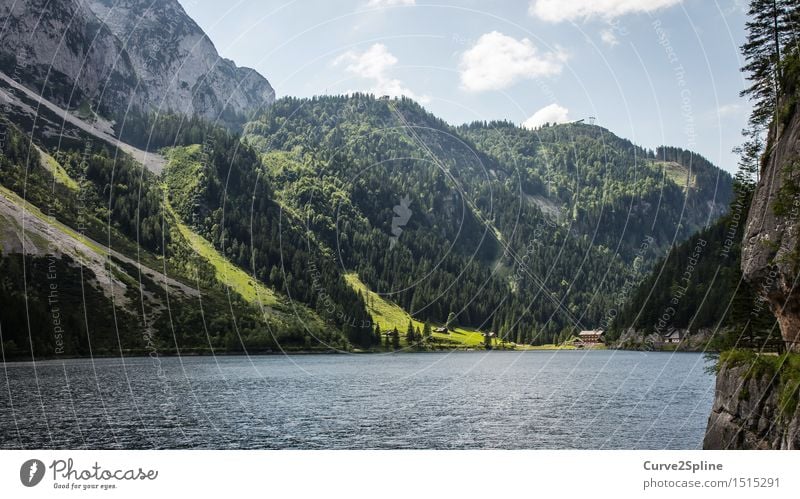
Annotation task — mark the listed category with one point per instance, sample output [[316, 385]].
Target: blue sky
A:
[[654, 71]]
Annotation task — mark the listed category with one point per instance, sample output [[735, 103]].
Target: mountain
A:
[[302, 224], [614, 191], [528, 233], [330, 212], [115, 57], [60, 50], [93, 262], [177, 63]]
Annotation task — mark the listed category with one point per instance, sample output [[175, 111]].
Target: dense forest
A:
[[699, 286], [521, 232], [111, 199]]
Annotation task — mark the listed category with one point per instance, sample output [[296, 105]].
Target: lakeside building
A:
[[593, 336]]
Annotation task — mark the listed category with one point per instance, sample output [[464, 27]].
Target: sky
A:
[[652, 71]]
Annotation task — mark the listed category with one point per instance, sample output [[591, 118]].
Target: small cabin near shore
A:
[[593, 336], [673, 337], [442, 330]]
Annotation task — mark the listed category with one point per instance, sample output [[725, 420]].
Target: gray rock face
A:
[[745, 414], [178, 64], [116, 54], [770, 253], [61, 51]]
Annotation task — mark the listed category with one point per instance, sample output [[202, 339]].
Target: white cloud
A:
[[497, 61], [727, 110], [609, 38], [374, 64], [390, 3], [548, 114], [560, 10]]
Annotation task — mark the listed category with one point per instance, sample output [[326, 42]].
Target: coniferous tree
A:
[[771, 29]]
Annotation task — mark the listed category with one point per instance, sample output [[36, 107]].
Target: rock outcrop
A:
[[63, 52], [178, 64], [118, 55], [770, 251], [748, 412]]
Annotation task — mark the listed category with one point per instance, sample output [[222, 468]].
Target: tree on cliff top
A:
[[772, 31]]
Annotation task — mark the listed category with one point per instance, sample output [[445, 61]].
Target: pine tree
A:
[[396, 339], [749, 161], [771, 26], [410, 338], [487, 341]]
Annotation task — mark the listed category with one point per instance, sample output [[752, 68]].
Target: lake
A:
[[458, 400]]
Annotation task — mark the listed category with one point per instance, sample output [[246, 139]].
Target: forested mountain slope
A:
[[529, 233]]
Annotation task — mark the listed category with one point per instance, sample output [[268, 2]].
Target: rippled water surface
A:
[[508, 400]]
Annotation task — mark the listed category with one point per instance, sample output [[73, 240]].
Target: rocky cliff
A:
[[770, 251], [178, 64], [755, 406], [61, 51], [114, 55]]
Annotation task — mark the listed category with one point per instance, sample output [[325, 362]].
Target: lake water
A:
[[460, 400]]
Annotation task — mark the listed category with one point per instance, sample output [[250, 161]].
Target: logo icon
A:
[[31, 472], [403, 214]]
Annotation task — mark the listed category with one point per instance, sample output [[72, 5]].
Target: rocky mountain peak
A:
[[121, 54], [178, 64]]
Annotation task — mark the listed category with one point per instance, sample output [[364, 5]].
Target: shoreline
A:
[[144, 355]]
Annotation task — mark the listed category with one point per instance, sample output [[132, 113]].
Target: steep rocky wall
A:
[[747, 411], [123, 54], [770, 252], [60, 50], [178, 64]]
